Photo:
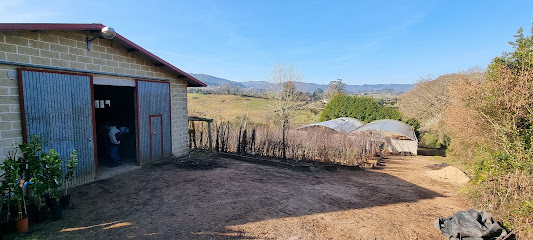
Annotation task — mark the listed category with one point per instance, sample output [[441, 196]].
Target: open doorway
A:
[[115, 105]]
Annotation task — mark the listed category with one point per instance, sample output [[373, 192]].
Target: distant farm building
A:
[[397, 136]]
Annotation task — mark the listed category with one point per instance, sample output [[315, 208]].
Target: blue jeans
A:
[[113, 153]]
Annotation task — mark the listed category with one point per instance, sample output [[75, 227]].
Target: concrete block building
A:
[[65, 82]]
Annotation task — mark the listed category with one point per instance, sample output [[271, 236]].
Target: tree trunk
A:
[[284, 140]]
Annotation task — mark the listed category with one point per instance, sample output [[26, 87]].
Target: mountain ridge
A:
[[261, 86]]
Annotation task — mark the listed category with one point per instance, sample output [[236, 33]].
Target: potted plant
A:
[[39, 211], [5, 215], [71, 166], [7, 223], [52, 174], [22, 218], [10, 171], [31, 158], [14, 185]]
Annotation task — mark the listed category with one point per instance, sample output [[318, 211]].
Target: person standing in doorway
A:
[[113, 148]]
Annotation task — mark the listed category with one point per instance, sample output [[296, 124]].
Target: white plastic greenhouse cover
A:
[[394, 126], [346, 125]]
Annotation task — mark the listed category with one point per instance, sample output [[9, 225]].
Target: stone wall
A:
[[10, 124], [68, 49]]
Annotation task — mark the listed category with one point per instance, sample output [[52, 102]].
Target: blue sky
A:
[[361, 42]]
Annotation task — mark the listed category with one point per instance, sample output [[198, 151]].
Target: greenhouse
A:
[[397, 136], [400, 136], [344, 125]]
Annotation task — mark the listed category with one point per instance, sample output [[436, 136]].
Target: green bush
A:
[[362, 108], [434, 140], [51, 170]]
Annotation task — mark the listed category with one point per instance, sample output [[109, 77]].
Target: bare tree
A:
[[282, 80], [335, 87], [226, 89]]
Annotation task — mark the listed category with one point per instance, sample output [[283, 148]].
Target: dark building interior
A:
[[115, 105]]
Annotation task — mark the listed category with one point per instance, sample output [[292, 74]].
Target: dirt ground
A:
[[237, 200]]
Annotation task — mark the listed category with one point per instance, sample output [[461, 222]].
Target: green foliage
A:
[[314, 111], [362, 108], [51, 170], [71, 166], [13, 181], [10, 169], [434, 140], [413, 122], [517, 59], [506, 104], [501, 104], [34, 168], [31, 153], [488, 164], [497, 163], [526, 209], [430, 140], [317, 95]]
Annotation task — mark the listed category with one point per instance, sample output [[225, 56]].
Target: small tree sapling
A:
[[72, 163]]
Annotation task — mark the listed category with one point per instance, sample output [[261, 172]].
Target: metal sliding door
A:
[[153, 99], [59, 108]]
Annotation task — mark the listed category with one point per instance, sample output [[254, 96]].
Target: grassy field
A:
[[257, 110]]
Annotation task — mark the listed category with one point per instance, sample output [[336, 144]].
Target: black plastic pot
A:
[[51, 202], [57, 212], [7, 226], [55, 208], [42, 215], [33, 213], [37, 214], [65, 201]]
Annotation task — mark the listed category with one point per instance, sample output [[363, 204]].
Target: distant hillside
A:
[[257, 85], [261, 86], [215, 81], [379, 88]]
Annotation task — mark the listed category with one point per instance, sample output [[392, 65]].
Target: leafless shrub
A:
[[428, 100], [317, 145], [464, 125]]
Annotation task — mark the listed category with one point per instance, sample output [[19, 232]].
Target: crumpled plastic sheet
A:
[[470, 225]]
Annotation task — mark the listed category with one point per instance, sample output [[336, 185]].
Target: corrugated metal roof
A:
[[390, 125], [346, 125], [122, 41]]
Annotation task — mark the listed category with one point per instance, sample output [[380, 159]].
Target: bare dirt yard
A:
[[229, 199]]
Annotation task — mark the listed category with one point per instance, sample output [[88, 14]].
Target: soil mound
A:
[[449, 174]]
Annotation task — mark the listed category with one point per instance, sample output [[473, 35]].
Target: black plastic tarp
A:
[[471, 225]]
